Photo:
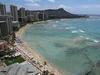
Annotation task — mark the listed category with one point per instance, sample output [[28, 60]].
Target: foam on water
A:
[[54, 25], [69, 28], [87, 38], [81, 36], [49, 20], [57, 21], [94, 40], [78, 31], [74, 31], [64, 49], [82, 31]]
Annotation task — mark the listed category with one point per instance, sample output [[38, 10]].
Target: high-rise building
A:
[[6, 25], [2, 9], [36, 15], [29, 15], [14, 12], [21, 12], [21, 16], [5, 22], [40, 15], [3, 26], [45, 15]]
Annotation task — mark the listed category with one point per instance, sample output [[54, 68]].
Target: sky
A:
[[73, 6]]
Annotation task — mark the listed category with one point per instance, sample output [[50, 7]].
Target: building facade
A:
[[21, 12], [2, 9], [14, 12], [36, 15], [40, 15], [5, 25], [29, 15], [21, 16]]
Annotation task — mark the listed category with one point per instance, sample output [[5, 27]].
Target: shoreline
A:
[[34, 54]]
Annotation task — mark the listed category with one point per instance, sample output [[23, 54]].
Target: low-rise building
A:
[[3, 46], [24, 68]]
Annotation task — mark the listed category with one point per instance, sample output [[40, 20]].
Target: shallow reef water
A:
[[71, 44]]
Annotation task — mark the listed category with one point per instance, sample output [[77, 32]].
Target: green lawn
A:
[[12, 60]]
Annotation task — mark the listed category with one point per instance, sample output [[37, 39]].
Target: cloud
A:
[[64, 6], [91, 6], [53, 1], [32, 1], [85, 9], [35, 4], [84, 6], [30, 4]]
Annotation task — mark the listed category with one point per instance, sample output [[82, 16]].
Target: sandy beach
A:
[[33, 54]]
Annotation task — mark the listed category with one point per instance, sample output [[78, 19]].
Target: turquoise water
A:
[[70, 44]]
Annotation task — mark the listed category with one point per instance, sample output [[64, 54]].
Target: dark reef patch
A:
[[98, 64], [77, 50], [59, 45]]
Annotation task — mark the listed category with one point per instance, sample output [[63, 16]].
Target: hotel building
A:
[[14, 12], [5, 22], [5, 25], [14, 15], [21, 16], [30, 17], [2, 9]]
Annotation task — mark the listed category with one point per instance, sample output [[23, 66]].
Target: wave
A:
[[57, 21], [92, 19], [94, 40], [87, 38], [49, 20], [74, 31], [67, 28], [78, 31], [54, 25], [62, 19], [82, 31]]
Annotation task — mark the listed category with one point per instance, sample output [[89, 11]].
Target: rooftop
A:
[[20, 69], [2, 42]]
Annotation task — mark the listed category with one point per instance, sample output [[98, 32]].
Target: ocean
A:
[[72, 45]]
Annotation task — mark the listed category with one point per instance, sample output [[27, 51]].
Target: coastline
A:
[[33, 54]]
